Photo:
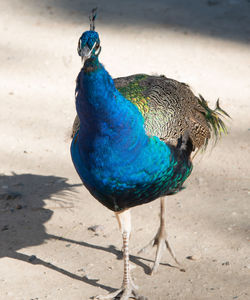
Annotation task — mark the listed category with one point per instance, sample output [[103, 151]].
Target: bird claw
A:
[[160, 240], [121, 294], [150, 245], [126, 292]]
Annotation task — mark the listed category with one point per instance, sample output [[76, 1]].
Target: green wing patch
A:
[[133, 91]]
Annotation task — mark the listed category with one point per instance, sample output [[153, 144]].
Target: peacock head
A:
[[89, 42]]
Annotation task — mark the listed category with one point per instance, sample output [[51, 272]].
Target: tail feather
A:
[[214, 120]]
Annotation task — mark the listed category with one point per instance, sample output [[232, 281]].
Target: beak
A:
[[85, 52]]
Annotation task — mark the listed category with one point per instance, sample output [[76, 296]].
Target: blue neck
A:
[[105, 113]]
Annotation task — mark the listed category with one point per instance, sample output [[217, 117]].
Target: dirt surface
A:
[[47, 247]]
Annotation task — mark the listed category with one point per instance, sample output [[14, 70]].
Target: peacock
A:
[[132, 142]]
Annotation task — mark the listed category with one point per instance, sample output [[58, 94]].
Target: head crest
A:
[[92, 19]]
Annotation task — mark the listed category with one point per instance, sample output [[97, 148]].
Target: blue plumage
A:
[[117, 161]]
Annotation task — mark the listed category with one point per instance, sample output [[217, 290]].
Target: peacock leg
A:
[[127, 291], [160, 240]]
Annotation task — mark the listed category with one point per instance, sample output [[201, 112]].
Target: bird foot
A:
[[124, 293], [160, 240]]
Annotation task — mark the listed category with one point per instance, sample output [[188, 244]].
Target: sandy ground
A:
[[47, 250]]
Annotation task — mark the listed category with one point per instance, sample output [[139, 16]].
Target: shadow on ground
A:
[[226, 19], [23, 212]]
